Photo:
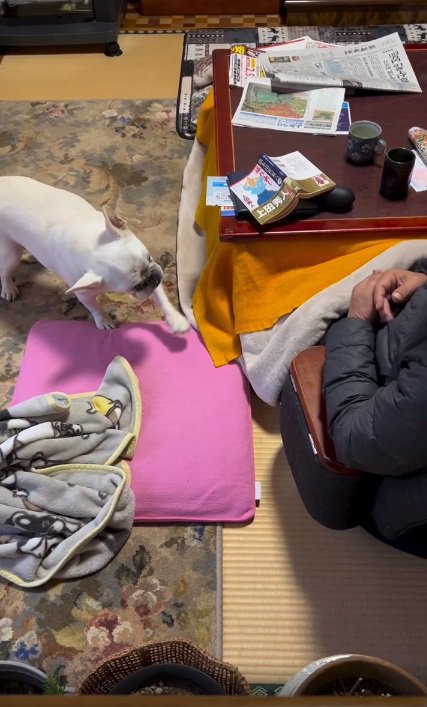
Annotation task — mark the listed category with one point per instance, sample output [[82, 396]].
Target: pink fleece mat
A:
[[194, 458]]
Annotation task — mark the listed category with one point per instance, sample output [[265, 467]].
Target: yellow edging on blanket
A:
[[94, 468], [130, 441]]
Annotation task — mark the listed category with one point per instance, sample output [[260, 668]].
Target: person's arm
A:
[[380, 429]]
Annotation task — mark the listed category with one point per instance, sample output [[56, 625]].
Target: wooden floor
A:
[[85, 72]]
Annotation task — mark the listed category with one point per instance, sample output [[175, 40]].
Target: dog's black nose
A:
[[153, 280]]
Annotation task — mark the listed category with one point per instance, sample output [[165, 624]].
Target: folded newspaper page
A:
[[314, 111], [245, 62], [380, 64], [274, 186]]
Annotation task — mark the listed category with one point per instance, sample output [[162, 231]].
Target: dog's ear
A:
[[88, 281], [116, 226]]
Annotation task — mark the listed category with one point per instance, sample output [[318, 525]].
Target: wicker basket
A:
[[108, 674]]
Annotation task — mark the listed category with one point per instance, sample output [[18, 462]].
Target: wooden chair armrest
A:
[[307, 376]]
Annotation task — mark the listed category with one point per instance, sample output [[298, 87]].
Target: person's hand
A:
[[362, 298], [395, 285]]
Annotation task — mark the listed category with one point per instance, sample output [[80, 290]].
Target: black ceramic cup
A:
[[398, 165]]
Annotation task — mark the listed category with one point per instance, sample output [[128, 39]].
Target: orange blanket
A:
[[247, 286]]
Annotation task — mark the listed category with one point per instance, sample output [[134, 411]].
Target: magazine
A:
[[273, 188], [244, 64], [315, 111]]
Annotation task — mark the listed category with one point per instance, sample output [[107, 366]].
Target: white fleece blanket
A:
[[267, 354]]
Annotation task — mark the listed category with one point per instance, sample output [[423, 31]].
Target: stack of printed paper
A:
[[316, 111], [300, 85]]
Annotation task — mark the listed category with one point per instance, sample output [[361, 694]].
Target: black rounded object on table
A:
[[164, 672], [338, 200]]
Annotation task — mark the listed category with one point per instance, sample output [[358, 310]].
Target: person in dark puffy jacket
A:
[[375, 388], [375, 376]]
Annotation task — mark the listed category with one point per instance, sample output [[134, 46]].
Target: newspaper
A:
[[380, 64], [315, 111], [245, 62]]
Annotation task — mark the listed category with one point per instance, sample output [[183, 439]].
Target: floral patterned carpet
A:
[[163, 584]]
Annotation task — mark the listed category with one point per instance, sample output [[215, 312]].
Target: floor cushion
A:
[[194, 457]]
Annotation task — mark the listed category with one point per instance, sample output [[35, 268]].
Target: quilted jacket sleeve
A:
[[380, 429]]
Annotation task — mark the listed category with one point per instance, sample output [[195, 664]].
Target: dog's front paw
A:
[[177, 322], [9, 292], [104, 321]]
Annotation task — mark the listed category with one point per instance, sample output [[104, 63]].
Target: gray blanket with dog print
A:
[[66, 507]]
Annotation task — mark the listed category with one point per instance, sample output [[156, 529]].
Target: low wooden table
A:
[[238, 149]]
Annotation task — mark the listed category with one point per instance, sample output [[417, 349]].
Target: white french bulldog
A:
[[92, 251]]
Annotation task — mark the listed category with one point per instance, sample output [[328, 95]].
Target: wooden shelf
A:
[[208, 7], [350, 13]]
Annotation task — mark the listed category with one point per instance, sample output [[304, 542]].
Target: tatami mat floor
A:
[[295, 591]]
